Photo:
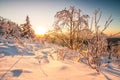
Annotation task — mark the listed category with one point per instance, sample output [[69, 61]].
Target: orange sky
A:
[[41, 12]]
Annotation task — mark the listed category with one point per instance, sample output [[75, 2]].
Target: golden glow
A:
[[39, 30]]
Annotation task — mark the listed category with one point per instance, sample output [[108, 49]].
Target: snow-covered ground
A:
[[33, 61]]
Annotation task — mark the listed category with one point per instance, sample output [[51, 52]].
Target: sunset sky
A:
[[41, 12]]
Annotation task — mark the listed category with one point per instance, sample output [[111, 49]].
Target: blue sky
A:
[[41, 12]]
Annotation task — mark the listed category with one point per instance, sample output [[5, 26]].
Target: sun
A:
[[40, 30]]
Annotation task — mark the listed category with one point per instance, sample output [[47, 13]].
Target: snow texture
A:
[[37, 61]]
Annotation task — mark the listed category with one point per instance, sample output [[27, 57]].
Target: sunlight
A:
[[39, 30]]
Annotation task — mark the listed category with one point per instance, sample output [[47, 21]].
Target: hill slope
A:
[[41, 66]]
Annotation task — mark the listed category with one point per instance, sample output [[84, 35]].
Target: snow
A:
[[37, 61]]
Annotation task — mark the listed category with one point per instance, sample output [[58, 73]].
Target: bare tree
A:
[[67, 25], [97, 44], [77, 33]]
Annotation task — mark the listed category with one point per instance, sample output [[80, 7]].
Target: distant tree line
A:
[[11, 29]]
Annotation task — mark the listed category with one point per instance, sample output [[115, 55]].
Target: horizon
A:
[[41, 12]]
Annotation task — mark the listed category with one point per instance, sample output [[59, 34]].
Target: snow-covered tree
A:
[[68, 23], [26, 29]]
